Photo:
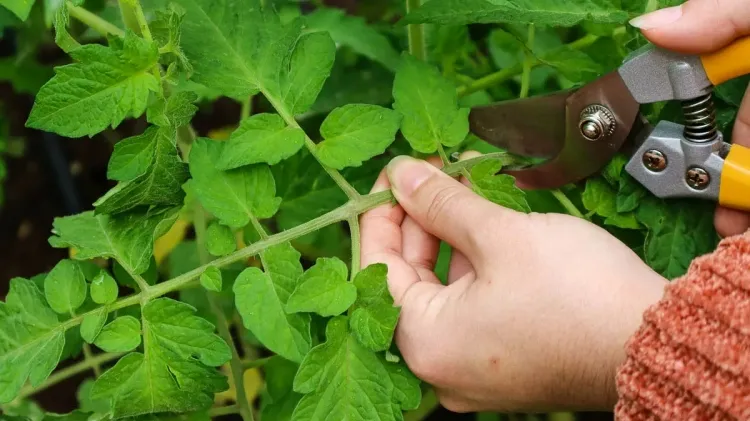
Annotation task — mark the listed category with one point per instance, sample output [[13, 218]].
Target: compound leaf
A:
[[31, 339], [174, 373], [106, 84], [260, 297], [232, 196], [429, 105], [355, 133], [128, 238], [261, 138], [323, 289]]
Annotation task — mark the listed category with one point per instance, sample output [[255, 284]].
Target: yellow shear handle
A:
[[728, 63], [735, 179]]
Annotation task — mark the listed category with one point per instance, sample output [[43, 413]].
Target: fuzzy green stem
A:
[[223, 410], [222, 326], [509, 73], [247, 108], [569, 206], [356, 245], [528, 62], [443, 155], [258, 227], [89, 356], [428, 405], [260, 362], [93, 21], [134, 8], [69, 372], [416, 32]]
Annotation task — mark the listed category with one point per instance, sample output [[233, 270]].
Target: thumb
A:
[[697, 26], [448, 209]]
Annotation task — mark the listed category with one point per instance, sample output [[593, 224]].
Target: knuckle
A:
[[440, 200], [426, 365]]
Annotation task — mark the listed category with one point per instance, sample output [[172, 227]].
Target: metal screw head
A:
[[597, 122], [698, 178], [655, 160]]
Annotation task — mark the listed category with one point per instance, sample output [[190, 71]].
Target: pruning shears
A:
[[577, 132]]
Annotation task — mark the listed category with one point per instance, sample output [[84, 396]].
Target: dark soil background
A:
[[58, 177]]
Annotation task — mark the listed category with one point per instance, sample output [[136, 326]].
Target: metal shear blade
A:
[[578, 132]]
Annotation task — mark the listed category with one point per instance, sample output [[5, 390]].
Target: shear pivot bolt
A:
[[597, 122], [655, 160], [698, 178]]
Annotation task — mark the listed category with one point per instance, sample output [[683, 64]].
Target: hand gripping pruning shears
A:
[[577, 132]]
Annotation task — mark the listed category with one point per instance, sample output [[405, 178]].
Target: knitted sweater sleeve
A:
[[690, 359]]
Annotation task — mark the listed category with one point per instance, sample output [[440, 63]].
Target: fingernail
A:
[[659, 18], [407, 174]]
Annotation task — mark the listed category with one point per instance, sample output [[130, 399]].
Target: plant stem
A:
[[417, 44], [247, 108], [356, 245], [68, 372], [93, 21], [528, 62], [223, 410], [510, 72], [569, 206], [260, 362], [429, 404], [258, 227], [89, 356], [133, 8], [443, 155], [199, 223]]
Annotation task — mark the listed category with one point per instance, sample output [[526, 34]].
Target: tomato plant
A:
[[258, 305]]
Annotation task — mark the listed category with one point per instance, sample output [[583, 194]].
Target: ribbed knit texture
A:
[[690, 360]]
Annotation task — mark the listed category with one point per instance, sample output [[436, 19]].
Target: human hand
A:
[[699, 27], [537, 309]]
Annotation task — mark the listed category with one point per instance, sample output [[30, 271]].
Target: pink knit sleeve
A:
[[690, 360]]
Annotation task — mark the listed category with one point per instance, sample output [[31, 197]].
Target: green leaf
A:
[[65, 287], [174, 373], [600, 198], [355, 33], [166, 29], [211, 279], [574, 65], [26, 77], [279, 384], [159, 173], [341, 379], [241, 48], [355, 133], [261, 296], [121, 335], [92, 324], [232, 196], [61, 21], [630, 194], [679, 231], [107, 85], [85, 402], [220, 239], [104, 288], [429, 105], [129, 237], [499, 189], [176, 111], [323, 289], [374, 316], [538, 12], [311, 64], [20, 8], [32, 340], [262, 138]]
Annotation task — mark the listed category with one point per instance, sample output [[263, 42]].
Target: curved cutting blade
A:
[[547, 127]]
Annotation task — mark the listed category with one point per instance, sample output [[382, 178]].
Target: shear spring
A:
[[700, 119]]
